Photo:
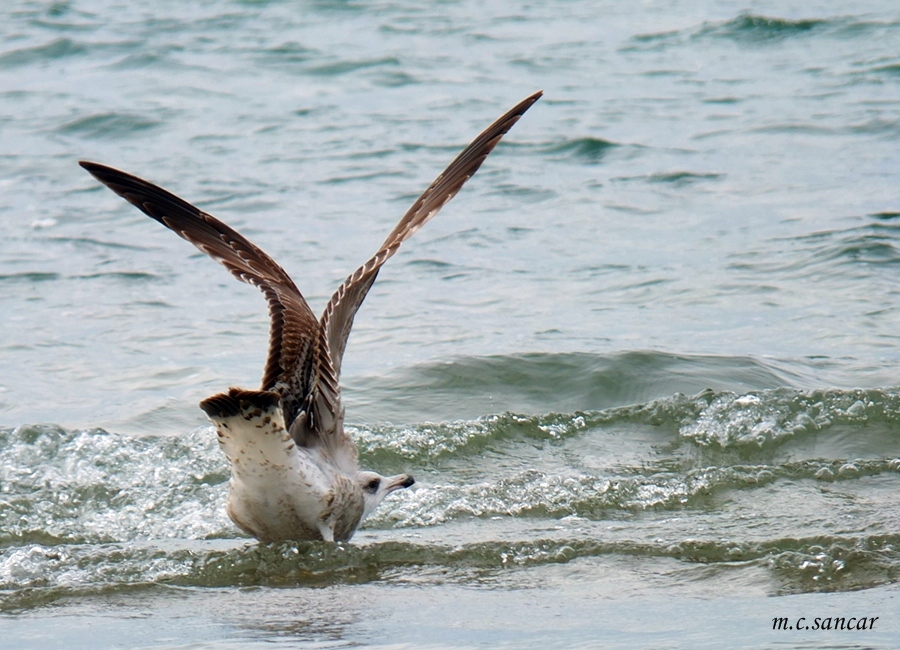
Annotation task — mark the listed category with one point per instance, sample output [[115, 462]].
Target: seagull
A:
[[294, 469]]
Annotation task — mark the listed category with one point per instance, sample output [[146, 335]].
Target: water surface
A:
[[643, 367]]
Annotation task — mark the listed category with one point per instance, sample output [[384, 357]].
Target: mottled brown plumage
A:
[[305, 353]]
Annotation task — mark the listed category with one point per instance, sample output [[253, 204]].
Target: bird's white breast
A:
[[277, 490]]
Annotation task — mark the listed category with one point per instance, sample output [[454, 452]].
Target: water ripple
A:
[[108, 126], [57, 49]]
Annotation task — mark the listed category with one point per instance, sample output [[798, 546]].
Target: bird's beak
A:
[[399, 481]]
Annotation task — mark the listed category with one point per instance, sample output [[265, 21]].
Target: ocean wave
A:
[[586, 150], [768, 418], [675, 178], [29, 276], [65, 486], [754, 29], [56, 49], [108, 125], [89, 511], [469, 387], [428, 442], [339, 68], [34, 575], [867, 247], [97, 487], [533, 493]]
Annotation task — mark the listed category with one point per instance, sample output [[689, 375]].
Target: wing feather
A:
[[305, 354], [337, 319], [293, 330]]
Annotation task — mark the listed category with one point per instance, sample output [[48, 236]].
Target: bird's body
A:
[[279, 490], [294, 470]]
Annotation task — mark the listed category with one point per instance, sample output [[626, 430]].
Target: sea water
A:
[[643, 367]]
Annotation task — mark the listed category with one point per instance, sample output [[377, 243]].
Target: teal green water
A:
[[643, 367]]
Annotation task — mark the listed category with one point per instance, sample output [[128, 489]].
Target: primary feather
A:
[[304, 481]]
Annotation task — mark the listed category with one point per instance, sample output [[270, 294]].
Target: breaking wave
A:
[[83, 511]]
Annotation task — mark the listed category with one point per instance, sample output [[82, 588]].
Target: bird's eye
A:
[[372, 486]]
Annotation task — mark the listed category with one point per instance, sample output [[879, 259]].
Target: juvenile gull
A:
[[294, 470]]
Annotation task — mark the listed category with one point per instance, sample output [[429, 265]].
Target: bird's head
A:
[[375, 487]]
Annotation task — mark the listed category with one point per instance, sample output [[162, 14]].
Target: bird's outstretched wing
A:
[[337, 319], [305, 354], [294, 331]]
